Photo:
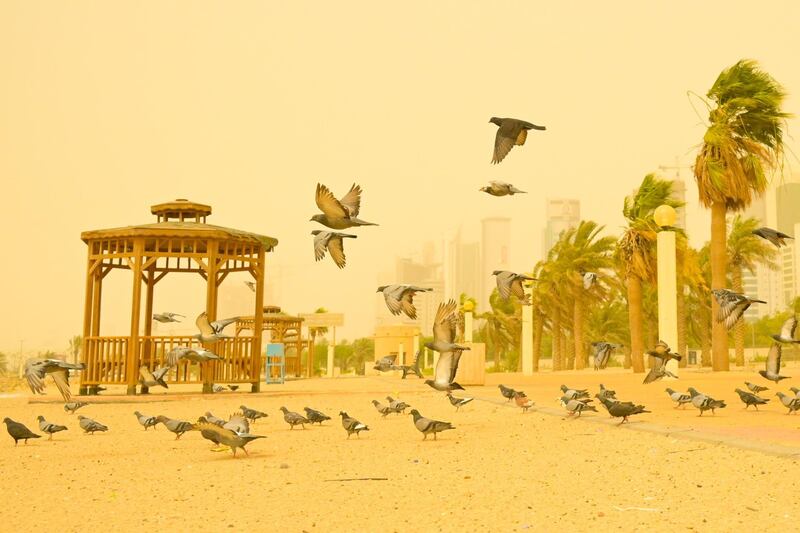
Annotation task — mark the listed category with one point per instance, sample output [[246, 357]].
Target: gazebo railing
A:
[[106, 359]]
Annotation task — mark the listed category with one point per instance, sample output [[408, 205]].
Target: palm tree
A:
[[578, 250], [499, 329], [636, 251], [75, 344], [745, 251], [698, 302], [743, 141], [3, 363]]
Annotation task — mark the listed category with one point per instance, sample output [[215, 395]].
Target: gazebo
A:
[[179, 241], [283, 328]]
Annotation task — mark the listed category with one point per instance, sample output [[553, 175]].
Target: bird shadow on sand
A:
[[214, 457]]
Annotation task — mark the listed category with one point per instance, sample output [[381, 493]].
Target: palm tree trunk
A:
[[719, 259], [705, 348], [739, 328], [626, 361], [538, 330], [570, 354], [635, 322], [578, 349], [556, 332]]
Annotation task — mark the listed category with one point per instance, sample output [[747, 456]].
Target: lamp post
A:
[[469, 307], [665, 216], [527, 333]]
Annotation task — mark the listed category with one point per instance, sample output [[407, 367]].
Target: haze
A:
[[108, 108]]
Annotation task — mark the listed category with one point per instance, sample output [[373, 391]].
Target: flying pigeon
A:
[[792, 402], [732, 306], [224, 436], [774, 236], [680, 398], [197, 355], [444, 333], [787, 331], [589, 279], [213, 419], [36, 369], [351, 425], [795, 390], [574, 394], [501, 188], [179, 427], [339, 214], [661, 355], [622, 410], [523, 401], [773, 369], [315, 416], [607, 393], [156, 377], [251, 414], [19, 432], [237, 423], [426, 426], [459, 402], [71, 407], [704, 402], [332, 242], [90, 426], [166, 317], [602, 353], [146, 421], [507, 392], [400, 298], [211, 332], [509, 283], [49, 427], [294, 419], [385, 363], [576, 405], [382, 409], [755, 388], [510, 132], [397, 406], [748, 398], [251, 285], [413, 368]]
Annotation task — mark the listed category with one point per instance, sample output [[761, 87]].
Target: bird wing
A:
[[444, 328], [159, 373], [34, 374], [61, 379], [321, 244], [789, 327], [504, 280], [504, 141], [407, 303], [176, 354], [328, 204], [774, 359], [204, 325], [352, 200], [222, 434], [145, 375], [392, 296], [454, 366], [336, 248], [516, 286], [736, 313], [444, 368], [655, 371], [219, 325]]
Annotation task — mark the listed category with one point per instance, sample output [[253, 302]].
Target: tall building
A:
[[495, 254], [462, 267], [561, 214]]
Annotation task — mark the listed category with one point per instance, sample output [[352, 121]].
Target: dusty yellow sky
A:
[[109, 107]]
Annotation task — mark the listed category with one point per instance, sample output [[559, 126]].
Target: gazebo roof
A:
[[167, 227]]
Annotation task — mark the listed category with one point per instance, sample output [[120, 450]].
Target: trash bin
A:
[[692, 357]]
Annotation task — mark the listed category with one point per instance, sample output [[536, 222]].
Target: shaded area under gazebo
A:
[[180, 241], [283, 328]]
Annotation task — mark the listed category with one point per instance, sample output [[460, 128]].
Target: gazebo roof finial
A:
[[181, 210]]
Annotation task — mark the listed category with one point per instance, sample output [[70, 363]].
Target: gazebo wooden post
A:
[[211, 310], [148, 318], [87, 314], [136, 313], [258, 320]]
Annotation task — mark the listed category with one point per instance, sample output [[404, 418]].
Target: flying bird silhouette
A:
[[510, 132], [339, 214]]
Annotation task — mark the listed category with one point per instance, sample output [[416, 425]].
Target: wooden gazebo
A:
[[283, 328], [179, 241]]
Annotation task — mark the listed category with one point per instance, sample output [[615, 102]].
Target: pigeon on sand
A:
[[444, 333], [314, 416], [618, 409], [90, 426], [339, 214], [523, 401], [37, 368], [382, 409], [680, 398], [252, 414], [510, 132], [179, 427], [49, 427], [576, 405], [18, 431], [607, 393], [774, 236], [509, 283], [214, 419], [792, 402], [333, 242], [507, 392], [574, 394], [400, 298], [294, 419], [748, 398], [71, 407], [146, 421], [704, 402], [351, 425], [755, 388], [397, 406], [732, 306], [459, 402], [501, 188], [224, 436], [426, 426], [772, 371]]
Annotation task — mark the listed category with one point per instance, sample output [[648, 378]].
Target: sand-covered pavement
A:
[[499, 470]]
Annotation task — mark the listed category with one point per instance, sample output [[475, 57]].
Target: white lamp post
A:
[[468, 311], [527, 333], [667, 281]]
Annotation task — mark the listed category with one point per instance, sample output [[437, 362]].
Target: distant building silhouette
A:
[[562, 214]]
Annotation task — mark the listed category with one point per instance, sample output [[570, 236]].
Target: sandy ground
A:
[[499, 470]]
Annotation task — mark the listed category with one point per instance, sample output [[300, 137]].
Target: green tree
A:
[[75, 344], [3, 363], [743, 141]]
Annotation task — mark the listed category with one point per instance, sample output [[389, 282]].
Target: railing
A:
[[106, 360]]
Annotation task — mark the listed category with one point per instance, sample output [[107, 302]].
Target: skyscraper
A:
[[561, 214], [462, 267], [495, 255]]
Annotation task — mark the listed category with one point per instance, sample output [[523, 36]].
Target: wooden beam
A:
[[136, 313], [211, 306], [258, 324], [97, 298], [160, 275], [221, 277], [87, 316]]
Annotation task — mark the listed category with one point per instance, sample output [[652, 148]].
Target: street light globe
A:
[[665, 216], [469, 306]]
